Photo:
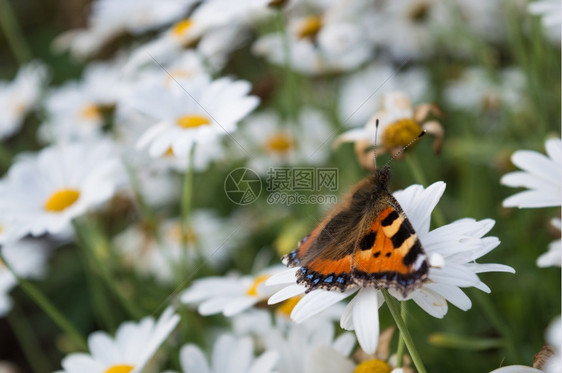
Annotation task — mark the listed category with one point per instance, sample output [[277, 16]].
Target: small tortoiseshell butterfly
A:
[[367, 241]]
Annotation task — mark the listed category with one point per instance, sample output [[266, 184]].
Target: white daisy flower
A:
[[217, 26], [551, 14], [323, 37], [229, 295], [131, 349], [455, 246], [44, 192], [361, 92], [298, 347], [274, 142], [192, 111], [541, 174], [230, 355], [484, 18], [170, 43], [19, 97], [409, 29], [28, 259], [477, 91], [553, 257], [111, 18], [76, 109], [208, 235]]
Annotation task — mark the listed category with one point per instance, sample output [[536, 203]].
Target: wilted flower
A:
[[399, 124], [361, 92]]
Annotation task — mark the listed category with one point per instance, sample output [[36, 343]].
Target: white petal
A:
[[489, 267], [265, 363], [212, 306], [286, 293], [452, 294], [346, 321], [242, 356], [366, 319], [325, 360], [516, 369], [238, 305], [430, 302], [453, 274], [418, 203], [317, 301], [533, 199], [282, 278], [344, 344], [536, 164], [193, 360]]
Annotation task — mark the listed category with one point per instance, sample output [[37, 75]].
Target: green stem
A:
[[12, 30], [401, 343], [95, 245], [43, 302], [98, 301], [25, 334], [186, 201], [404, 333], [5, 157], [419, 177]]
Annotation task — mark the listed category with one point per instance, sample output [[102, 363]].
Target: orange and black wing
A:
[[325, 256], [390, 254]]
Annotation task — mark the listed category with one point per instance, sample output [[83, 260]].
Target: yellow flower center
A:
[[400, 133], [279, 143], [61, 200], [91, 112], [169, 152], [177, 234], [181, 27], [372, 366], [253, 290], [193, 121], [287, 306], [419, 12], [310, 27], [125, 368]]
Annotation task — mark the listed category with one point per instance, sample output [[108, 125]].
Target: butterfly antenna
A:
[[376, 136], [406, 146]]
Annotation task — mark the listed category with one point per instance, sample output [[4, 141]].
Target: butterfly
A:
[[367, 240]]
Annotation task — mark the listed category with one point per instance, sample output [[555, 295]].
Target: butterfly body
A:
[[367, 241]]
